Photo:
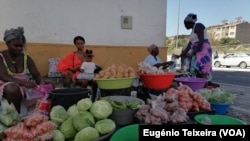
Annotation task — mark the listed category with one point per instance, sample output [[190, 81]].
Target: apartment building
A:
[[239, 30]]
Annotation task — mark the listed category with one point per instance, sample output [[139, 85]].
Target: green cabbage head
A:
[[72, 110], [101, 109], [58, 114], [87, 134], [84, 104], [83, 119], [58, 135], [67, 129], [105, 126]]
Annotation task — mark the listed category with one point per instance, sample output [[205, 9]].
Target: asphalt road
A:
[[232, 76]]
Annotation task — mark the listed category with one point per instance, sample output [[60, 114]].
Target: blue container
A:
[[220, 108]]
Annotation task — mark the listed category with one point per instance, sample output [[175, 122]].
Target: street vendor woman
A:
[[198, 48], [154, 60], [15, 66]]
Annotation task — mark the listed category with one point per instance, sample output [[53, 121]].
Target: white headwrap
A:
[[151, 47]]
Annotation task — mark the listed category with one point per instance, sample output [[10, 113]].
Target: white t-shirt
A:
[[88, 67], [194, 37]]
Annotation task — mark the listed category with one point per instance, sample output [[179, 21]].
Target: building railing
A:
[[221, 49]]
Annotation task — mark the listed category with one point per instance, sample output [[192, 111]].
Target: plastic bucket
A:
[[220, 108], [127, 133], [68, 96]]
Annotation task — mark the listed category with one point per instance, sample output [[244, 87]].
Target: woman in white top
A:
[[154, 60], [198, 48]]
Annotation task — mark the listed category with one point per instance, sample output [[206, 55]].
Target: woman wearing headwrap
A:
[[15, 66], [198, 48]]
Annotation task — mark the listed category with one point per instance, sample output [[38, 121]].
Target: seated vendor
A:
[[70, 65], [14, 64], [154, 60]]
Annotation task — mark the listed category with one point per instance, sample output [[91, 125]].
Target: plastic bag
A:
[[172, 68], [40, 92], [185, 63]]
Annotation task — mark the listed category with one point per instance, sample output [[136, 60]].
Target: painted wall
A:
[[99, 21], [51, 25]]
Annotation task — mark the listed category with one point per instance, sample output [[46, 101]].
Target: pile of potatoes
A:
[[116, 71]]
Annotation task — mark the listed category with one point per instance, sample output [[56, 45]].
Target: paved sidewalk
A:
[[241, 105]]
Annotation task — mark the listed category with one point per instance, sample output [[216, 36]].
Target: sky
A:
[[209, 12]]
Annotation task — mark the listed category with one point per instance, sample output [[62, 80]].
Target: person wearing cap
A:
[[154, 60], [15, 66], [198, 48]]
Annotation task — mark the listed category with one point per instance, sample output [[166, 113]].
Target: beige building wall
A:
[[104, 55]]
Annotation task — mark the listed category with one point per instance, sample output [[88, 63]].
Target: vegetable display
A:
[[117, 105], [217, 95], [8, 114], [116, 71], [35, 127], [172, 106], [82, 123]]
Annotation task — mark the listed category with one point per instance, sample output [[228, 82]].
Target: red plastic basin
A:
[[157, 81]]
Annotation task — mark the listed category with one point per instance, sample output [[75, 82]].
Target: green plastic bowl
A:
[[126, 133], [207, 119], [117, 83]]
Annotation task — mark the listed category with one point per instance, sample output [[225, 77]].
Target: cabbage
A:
[[84, 104], [105, 126], [58, 114], [101, 109], [58, 135], [2, 128], [8, 113], [87, 134], [72, 110], [67, 129], [83, 119], [217, 95]]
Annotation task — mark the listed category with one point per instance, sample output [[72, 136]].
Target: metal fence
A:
[[221, 49], [232, 48]]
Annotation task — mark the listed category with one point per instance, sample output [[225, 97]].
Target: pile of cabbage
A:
[[8, 116], [83, 121], [217, 95]]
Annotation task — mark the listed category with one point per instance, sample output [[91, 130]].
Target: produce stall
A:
[[159, 100]]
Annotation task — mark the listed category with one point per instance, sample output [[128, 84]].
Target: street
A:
[[233, 76]]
